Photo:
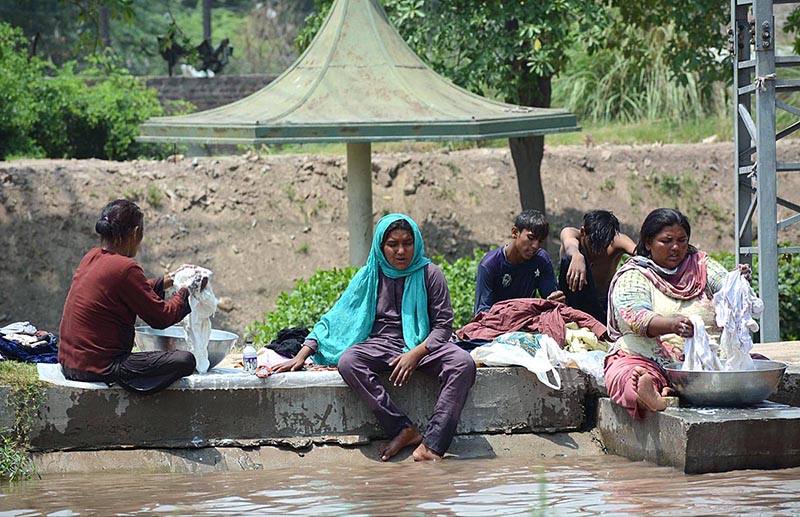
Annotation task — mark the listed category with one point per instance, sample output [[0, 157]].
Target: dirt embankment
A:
[[262, 222]]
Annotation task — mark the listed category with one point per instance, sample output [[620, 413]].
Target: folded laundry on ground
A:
[[19, 327], [43, 350], [289, 341]]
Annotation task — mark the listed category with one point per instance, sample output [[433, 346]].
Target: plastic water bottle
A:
[[249, 358]]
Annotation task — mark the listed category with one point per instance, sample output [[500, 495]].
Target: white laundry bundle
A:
[[736, 305], [203, 303], [699, 353]]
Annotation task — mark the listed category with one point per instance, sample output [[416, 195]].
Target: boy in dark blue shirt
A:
[[520, 268]]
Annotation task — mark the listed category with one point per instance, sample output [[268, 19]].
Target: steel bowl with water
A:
[[738, 388], [174, 338]]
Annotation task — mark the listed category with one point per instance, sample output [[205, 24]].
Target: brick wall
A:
[[208, 92]]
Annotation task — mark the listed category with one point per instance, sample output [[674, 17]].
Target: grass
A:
[[24, 395]]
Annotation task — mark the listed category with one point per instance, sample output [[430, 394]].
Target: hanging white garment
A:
[[699, 353], [736, 305], [203, 303]]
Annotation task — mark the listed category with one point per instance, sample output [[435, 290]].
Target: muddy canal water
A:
[[594, 485]]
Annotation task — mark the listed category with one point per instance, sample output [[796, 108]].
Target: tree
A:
[[512, 49]]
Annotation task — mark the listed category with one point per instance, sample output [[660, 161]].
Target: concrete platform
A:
[[699, 440], [243, 410], [788, 391], [533, 447]]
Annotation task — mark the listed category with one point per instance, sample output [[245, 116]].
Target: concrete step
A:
[[243, 410], [699, 440]]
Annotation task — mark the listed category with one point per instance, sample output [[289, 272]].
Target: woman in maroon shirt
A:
[[109, 290]]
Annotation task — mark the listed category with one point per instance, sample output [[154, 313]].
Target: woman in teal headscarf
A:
[[396, 315]]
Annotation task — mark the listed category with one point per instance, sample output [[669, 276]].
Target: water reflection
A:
[[564, 486]]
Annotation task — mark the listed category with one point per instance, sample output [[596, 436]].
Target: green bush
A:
[[17, 113], [312, 298], [51, 112], [460, 277], [303, 307]]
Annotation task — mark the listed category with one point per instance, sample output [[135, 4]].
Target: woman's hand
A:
[[746, 272], [297, 363], [682, 326], [405, 364]]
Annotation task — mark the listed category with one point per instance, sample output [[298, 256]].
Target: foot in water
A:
[[405, 438], [424, 453], [646, 394]]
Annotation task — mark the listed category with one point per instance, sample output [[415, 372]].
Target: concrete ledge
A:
[[698, 440], [216, 459], [503, 400]]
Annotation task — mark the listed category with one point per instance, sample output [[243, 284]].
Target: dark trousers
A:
[[142, 372], [455, 369]]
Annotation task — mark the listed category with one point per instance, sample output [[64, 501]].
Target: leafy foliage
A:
[[50, 112], [312, 298], [304, 306], [24, 396], [637, 83], [460, 276]]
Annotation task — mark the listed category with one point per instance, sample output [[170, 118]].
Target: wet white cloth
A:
[[203, 303], [699, 353], [736, 305]]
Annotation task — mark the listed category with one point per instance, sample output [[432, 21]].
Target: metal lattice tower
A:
[[756, 163]]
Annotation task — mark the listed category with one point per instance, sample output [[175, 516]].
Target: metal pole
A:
[[359, 201], [767, 164], [207, 20], [743, 192]]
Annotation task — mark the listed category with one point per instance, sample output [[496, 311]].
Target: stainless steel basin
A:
[[738, 388], [174, 338]]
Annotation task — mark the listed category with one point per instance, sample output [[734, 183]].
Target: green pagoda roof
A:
[[358, 81]]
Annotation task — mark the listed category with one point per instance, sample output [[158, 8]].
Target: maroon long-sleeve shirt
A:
[[108, 291]]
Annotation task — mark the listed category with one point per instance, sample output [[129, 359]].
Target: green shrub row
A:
[[312, 298], [51, 112]]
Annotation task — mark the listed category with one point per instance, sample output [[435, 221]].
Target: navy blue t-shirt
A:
[[498, 279]]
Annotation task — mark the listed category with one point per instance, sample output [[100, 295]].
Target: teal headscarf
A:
[[351, 319]]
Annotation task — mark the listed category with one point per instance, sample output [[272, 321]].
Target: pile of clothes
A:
[[22, 341]]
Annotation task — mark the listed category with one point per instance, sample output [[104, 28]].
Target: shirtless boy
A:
[[589, 258]]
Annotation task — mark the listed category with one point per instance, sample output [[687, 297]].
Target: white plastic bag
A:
[[699, 355], [588, 361], [515, 348]]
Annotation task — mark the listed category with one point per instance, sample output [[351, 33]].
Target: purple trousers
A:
[[455, 369]]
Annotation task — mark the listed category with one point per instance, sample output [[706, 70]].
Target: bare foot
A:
[[405, 438], [424, 453], [646, 395]]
